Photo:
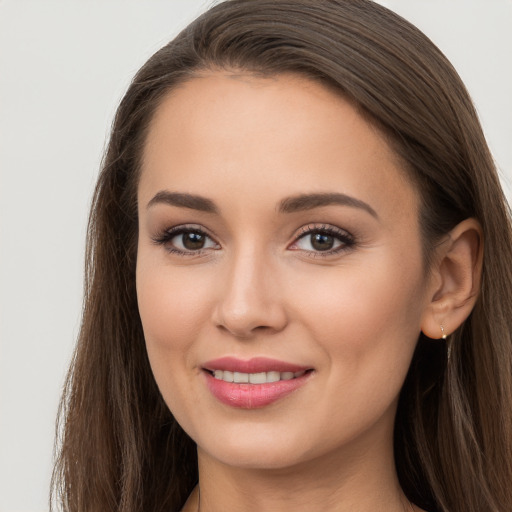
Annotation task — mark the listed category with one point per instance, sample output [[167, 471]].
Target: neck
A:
[[337, 482]]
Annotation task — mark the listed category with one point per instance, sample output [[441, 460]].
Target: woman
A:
[[298, 291]]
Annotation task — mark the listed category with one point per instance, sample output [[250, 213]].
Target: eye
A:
[[186, 240], [324, 240], [191, 241]]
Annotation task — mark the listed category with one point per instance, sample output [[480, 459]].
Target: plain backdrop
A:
[[64, 66]]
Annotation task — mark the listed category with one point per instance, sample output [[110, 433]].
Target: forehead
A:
[[268, 137]]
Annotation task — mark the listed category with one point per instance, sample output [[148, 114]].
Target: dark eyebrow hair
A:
[[293, 204], [184, 200], [309, 201]]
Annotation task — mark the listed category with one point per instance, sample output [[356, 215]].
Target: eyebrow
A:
[[184, 200], [305, 202], [299, 203]]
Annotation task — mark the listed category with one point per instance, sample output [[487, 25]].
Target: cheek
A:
[[366, 317], [172, 309], [366, 322], [171, 305]]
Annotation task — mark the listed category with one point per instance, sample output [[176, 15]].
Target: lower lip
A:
[[253, 396]]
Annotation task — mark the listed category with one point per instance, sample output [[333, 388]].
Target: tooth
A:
[[258, 378], [255, 378], [240, 377], [273, 376]]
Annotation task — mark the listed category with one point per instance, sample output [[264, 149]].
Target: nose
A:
[[250, 301]]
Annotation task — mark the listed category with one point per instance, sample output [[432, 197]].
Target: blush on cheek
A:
[[169, 301], [368, 311]]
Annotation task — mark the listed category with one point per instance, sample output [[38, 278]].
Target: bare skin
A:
[[337, 286]]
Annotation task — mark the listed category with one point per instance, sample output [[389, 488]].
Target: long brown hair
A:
[[120, 447]]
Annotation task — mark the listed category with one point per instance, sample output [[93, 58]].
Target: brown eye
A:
[[322, 241], [193, 241], [325, 240], [186, 240]]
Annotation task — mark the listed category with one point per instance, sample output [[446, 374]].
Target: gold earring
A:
[[448, 344]]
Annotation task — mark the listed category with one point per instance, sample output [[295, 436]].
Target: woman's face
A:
[[278, 238]]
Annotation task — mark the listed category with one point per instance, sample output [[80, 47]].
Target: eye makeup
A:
[[186, 240], [316, 240], [323, 240]]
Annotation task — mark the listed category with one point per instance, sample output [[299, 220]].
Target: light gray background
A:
[[63, 68]]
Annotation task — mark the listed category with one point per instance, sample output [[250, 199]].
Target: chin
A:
[[252, 456], [257, 446]]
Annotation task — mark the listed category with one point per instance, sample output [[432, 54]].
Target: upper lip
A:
[[254, 365]]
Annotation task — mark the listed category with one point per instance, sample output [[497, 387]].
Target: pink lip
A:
[[252, 396]]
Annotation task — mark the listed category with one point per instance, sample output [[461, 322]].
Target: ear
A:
[[455, 280]]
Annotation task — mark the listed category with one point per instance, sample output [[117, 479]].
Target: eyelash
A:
[[346, 239], [166, 236]]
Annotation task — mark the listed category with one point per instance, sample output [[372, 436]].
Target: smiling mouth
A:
[[255, 378], [253, 383]]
